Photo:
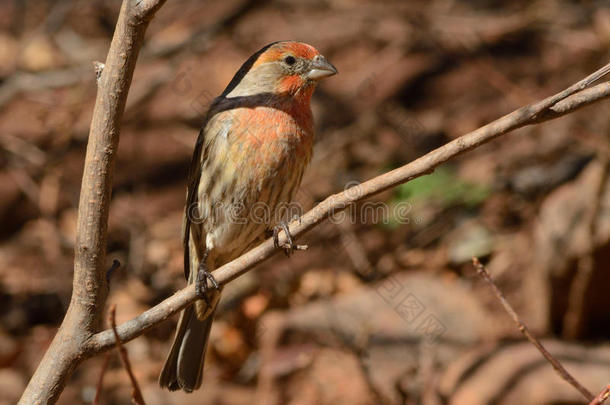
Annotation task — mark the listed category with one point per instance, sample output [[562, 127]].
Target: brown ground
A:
[[373, 312]]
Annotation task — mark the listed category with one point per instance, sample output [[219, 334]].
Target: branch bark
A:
[[89, 290], [564, 102]]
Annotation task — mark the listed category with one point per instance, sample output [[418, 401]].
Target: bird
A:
[[254, 145]]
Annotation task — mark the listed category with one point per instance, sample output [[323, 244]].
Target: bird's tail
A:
[[183, 367]]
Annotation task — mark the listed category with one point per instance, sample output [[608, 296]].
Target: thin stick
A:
[[100, 381], [136, 394], [114, 267], [602, 397], [563, 373]]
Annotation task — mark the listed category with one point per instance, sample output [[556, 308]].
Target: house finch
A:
[[255, 143]]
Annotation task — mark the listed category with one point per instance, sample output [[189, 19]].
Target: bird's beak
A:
[[320, 68]]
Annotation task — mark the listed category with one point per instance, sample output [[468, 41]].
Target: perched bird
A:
[[255, 143]]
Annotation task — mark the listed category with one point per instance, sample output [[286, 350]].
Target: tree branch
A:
[[136, 393], [90, 288], [564, 102], [601, 397], [563, 373]]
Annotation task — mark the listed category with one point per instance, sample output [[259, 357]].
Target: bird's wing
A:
[[207, 135], [191, 196]]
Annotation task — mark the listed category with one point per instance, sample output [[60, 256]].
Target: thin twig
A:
[[100, 381], [114, 267], [601, 397], [136, 394], [563, 373]]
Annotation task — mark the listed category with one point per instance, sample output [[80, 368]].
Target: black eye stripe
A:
[[290, 60]]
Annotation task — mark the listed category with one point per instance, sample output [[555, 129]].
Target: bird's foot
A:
[[289, 247], [205, 282]]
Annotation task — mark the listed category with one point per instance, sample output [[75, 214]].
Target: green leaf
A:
[[443, 188]]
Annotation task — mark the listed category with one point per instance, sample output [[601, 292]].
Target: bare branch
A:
[[144, 10], [579, 100], [602, 397], [100, 381], [523, 116], [563, 373], [136, 394], [90, 287]]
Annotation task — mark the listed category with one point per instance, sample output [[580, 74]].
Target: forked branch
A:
[[90, 288]]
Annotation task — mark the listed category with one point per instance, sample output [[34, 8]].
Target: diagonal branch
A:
[[601, 397], [562, 103], [563, 373]]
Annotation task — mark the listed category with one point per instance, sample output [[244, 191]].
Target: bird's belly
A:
[[260, 176], [243, 224]]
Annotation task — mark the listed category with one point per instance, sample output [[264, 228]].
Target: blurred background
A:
[[385, 306]]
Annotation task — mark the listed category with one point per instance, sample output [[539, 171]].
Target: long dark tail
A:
[[183, 368]]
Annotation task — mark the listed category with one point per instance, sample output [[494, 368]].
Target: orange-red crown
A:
[[278, 50]]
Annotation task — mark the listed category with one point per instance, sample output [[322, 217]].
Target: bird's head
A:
[[286, 67]]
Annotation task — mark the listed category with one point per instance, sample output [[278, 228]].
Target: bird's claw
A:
[[289, 247], [202, 287]]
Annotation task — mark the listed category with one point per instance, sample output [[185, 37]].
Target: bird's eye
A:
[[290, 60]]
